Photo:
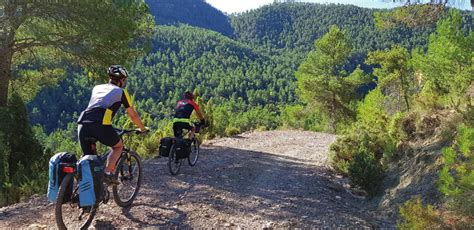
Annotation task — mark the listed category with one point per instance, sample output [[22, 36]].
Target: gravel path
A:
[[268, 179]]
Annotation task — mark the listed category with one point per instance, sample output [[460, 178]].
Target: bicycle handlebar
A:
[[122, 132]]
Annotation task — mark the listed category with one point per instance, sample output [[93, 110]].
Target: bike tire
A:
[[194, 154], [73, 207], [131, 167], [173, 164]]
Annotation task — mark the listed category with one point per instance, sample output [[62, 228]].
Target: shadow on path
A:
[[231, 183]]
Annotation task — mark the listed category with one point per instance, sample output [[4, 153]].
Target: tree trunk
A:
[[9, 26], [5, 74], [405, 92], [332, 119]]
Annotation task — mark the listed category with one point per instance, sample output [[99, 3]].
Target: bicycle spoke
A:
[[194, 154], [173, 163], [130, 178], [68, 213]]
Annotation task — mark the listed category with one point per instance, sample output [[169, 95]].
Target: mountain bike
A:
[[69, 215], [174, 164]]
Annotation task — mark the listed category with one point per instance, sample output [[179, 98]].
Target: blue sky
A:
[[233, 6]]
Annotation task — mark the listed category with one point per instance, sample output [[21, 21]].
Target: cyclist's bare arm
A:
[[135, 118], [199, 114]]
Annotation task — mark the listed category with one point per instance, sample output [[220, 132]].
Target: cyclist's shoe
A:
[[110, 179], [106, 196]]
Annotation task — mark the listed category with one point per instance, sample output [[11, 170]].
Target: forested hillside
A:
[[256, 67], [296, 26], [187, 58], [182, 58], [192, 12]]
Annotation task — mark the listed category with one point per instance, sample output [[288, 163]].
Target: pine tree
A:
[[447, 68], [91, 34], [394, 77], [322, 80]]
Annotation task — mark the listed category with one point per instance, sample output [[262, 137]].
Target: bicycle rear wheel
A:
[[174, 164], [67, 211], [194, 154], [129, 173]]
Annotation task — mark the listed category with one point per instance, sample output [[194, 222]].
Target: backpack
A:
[[56, 175], [165, 146], [182, 148], [90, 169]]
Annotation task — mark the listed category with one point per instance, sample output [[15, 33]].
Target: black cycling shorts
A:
[[179, 126], [105, 134]]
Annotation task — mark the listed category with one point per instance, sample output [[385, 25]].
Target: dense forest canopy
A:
[[42, 41], [286, 26], [256, 64], [192, 12]]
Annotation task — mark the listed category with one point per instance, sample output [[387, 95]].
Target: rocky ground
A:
[[276, 179]]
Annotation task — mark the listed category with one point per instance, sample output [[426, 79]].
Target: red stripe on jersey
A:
[[196, 106]]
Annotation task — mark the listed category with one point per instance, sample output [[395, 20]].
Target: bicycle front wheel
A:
[[129, 173], [194, 154], [174, 164], [67, 211]]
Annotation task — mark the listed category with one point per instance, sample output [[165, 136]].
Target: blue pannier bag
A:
[[56, 175], [91, 172]]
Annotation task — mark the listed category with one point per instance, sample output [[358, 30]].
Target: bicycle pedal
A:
[[126, 178], [74, 199]]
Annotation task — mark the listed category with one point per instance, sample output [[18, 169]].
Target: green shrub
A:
[[300, 117], [360, 136], [233, 118], [395, 127], [360, 151], [456, 179], [456, 182], [366, 171], [341, 166], [342, 152], [231, 131], [415, 216], [35, 186], [149, 145], [374, 120]]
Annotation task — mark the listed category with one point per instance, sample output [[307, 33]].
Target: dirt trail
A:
[[254, 180]]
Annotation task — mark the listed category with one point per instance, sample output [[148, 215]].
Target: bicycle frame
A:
[[197, 128], [128, 166], [71, 168]]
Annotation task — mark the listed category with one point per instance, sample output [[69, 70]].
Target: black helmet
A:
[[117, 72], [189, 95]]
